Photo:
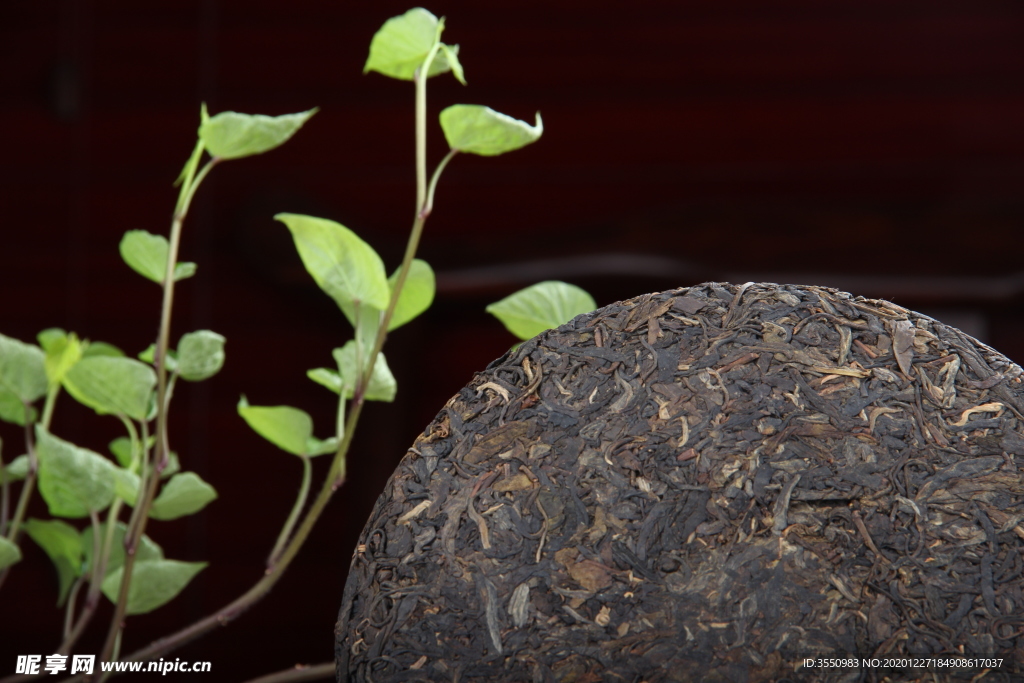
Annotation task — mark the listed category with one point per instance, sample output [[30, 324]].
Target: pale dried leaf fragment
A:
[[994, 407], [604, 616], [519, 604], [415, 512], [903, 344]]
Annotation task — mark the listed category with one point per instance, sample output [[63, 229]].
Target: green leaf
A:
[[126, 485], [146, 254], [62, 352], [382, 383], [542, 306], [200, 355], [288, 428], [230, 135], [146, 550], [417, 294], [63, 544], [184, 269], [51, 336], [450, 54], [342, 264], [9, 553], [112, 385], [13, 410], [149, 356], [327, 378], [94, 349], [121, 447], [73, 481], [173, 465], [17, 469], [184, 494], [476, 129], [154, 583], [23, 369], [401, 45]]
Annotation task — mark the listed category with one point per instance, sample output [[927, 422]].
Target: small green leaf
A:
[[417, 294], [326, 377], [13, 410], [63, 544], [94, 349], [184, 494], [146, 254], [112, 385], [154, 583], [401, 45], [173, 465], [342, 264], [9, 553], [23, 369], [146, 550], [184, 269], [200, 355], [17, 469], [126, 485], [476, 129], [230, 135], [121, 447], [288, 428], [149, 356], [73, 481], [451, 56], [62, 352], [50, 336], [382, 383], [542, 306]]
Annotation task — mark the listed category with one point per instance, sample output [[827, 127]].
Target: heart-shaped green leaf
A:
[[23, 369], [540, 307], [480, 130], [230, 135], [401, 46], [73, 481], [382, 383], [200, 355], [154, 583], [13, 410], [112, 385], [146, 254], [342, 264], [146, 550], [17, 469], [63, 544], [182, 495], [288, 428], [417, 294]]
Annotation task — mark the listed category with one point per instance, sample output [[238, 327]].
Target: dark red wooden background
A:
[[875, 146]]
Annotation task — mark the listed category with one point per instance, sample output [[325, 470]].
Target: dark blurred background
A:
[[873, 146]]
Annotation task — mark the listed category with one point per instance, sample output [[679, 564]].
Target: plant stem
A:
[[336, 475], [289, 525], [299, 672], [26, 491], [69, 613], [92, 597], [160, 456]]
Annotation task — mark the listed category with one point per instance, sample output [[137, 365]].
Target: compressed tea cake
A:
[[715, 483]]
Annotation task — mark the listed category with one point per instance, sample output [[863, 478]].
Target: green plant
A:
[[114, 557]]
